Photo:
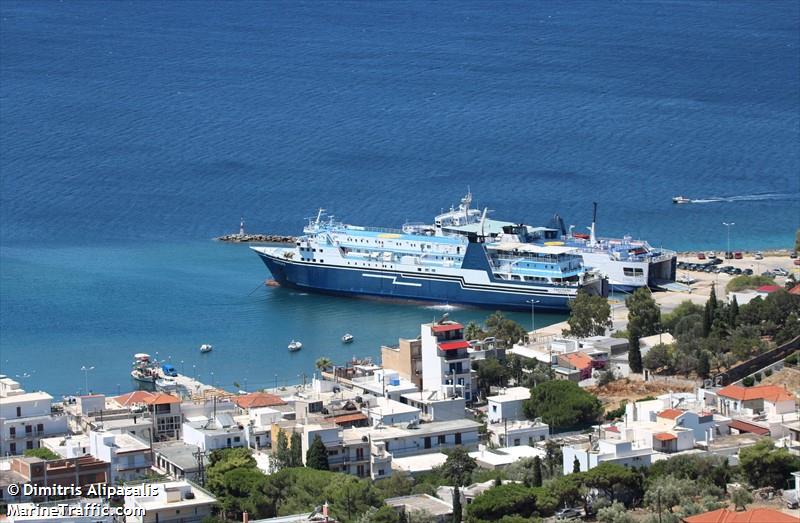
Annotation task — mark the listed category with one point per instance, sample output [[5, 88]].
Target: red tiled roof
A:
[[670, 413], [348, 418], [665, 436], [162, 398], [770, 393], [795, 290], [454, 345], [769, 288], [612, 428], [446, 327], [578, 360], [133, 398], [256, 400], [757, 515], [744, 426]]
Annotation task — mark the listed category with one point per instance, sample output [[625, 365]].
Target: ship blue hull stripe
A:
[[438, 288]]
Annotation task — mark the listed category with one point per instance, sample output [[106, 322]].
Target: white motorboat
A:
[[681, 199], [295, 346], [206, 348], [347, 338]]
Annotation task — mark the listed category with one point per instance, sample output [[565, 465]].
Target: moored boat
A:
[[295, 346], [347, 338], [206, 348]]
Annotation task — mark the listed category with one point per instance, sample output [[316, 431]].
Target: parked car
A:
[[568, 513], [716, 261], [711, 255], [759, 255], [737, 271], [737, 255], [780, 271], [796, 261], [748, 272], [701, 256], [729, 255], [793, 254]]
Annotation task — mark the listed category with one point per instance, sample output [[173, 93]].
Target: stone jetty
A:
[[256, 238]]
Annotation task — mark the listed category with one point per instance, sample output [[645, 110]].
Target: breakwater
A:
[[256, 238]]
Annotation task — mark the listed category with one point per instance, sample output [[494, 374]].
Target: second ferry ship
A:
[[420, 263]]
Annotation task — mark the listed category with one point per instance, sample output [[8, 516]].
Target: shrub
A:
[[768, 372], [792, 358], [758, 377], [748, 381]]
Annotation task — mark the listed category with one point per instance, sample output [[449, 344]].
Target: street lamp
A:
[[86, 370], [533, 313], [728, 225]]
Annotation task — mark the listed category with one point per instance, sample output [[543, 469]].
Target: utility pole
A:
[[200, 455], [728, 225]]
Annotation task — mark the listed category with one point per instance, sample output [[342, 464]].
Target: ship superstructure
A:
[[420, 263]]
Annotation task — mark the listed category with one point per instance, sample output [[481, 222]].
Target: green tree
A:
[[323, 364], [457, 510], [503, 329], [458, 467], [741, 498], [511, 499], [562, 404], [703, 367], [283, 455], [685, 309], [588, 316], [317, 455], [398, 484], [41, 452], [350, 497], [490, 373], [382, 514], [764, 465], [473, 331], [615, 513], [552, 456], [576, 465], [644, 319], [537, 472], [224, 460], [667, 492], [659, 358], [296, 451]]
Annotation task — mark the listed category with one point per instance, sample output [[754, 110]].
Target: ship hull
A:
[[442, 289]]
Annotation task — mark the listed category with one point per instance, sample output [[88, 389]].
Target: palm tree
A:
[[324, 364]]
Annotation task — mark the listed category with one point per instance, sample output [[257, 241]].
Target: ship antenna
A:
[[592, 237], [483, 221]]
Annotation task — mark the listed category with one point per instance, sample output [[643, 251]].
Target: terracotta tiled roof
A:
[[744, 426], [770, 393], [162, 398], [769, 288], [578, 360], [256, 400], [347, 418], [758, 515], [670, 413], [133, 398], [665, 436]]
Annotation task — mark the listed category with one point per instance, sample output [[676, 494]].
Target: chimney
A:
[[245, 517]]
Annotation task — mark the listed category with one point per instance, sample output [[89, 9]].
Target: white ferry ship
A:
[[421, 263]]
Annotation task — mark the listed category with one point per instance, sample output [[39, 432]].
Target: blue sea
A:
[[131, 133]]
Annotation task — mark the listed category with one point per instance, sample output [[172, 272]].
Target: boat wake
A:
[[443, 307], [748, 198]]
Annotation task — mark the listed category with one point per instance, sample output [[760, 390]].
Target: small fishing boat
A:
[[681, 199], [144, 369], [206, 348], [347, 338], [295, 346]]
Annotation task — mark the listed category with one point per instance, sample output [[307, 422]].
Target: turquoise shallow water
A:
[[131, 133]]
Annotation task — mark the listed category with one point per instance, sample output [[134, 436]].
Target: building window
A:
[[28, 429], [40, 427], [29, 445], [441, 440], [428, 442], [494, 408], [12, 432], [13, 448], [19, 412]]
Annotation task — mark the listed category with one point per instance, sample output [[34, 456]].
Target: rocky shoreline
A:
[[255, 238]]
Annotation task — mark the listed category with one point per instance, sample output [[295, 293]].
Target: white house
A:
[[130, 457], [209, 434], [384, 411], [171, 502], [606, 451], [26, 418], [518, 432], [424, 439], [508, 405], [436, 406]]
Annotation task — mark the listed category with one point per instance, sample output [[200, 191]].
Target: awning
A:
[[743, 426]]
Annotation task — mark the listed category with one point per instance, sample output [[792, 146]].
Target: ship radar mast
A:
[[241, 226], [319, 216]]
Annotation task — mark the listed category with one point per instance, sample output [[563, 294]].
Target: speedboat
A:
[[347, 338], [295, 346], [206, 347], [681, 199]]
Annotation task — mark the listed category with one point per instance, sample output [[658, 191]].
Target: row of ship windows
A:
[[355, 264], [517, 277], [630, 271]]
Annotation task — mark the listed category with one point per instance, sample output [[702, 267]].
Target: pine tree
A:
[[457, 511], [296, 451], [703, 365], [283, 457], [710, 312], [634, 354], [733, 312], [537, 472], [576, 465], [317, 455]]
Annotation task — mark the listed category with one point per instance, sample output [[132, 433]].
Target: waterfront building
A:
[[26, 418], [508, 405], [384, 411], [130, 458], [426, 438], [165, 408], [386, 382], [445, 360], [405, 358], [172, 502]]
